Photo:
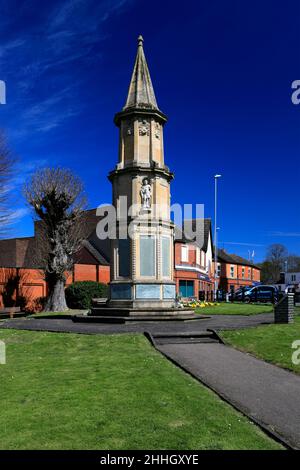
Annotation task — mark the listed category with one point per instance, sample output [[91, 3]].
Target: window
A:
[[232, 271], [198, 256], [186, 288], [265, 289], [219, 269], [124, 257], [293, 277], [165, 256], [185, 253], [249, 273], [243, 273], [147, 256]]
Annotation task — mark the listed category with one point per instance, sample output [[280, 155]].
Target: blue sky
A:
[[222, 72]]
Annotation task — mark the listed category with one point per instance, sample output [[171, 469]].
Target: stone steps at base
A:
[[186, 340], [133, 318], [207, 336], [145, 312]]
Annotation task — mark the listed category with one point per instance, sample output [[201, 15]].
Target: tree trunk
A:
[[56, 301]]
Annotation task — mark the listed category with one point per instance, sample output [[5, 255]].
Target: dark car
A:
[[258, 294], [238, 294]]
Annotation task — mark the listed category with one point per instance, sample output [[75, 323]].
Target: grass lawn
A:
[[271, 343], [66, 391], [227, 308]]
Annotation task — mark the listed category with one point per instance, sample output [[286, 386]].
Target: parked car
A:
[[238, 294], [258, 294]]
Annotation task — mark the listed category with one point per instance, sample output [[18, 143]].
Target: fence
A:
[[207, 296]]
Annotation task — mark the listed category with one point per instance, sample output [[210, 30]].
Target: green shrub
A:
[[80, 294]]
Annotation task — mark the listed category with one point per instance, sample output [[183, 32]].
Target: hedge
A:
[[80, 294]]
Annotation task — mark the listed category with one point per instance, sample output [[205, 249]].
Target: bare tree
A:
[[6, 172], [293, 263], [276, 257], [56, 196], [266, 273]]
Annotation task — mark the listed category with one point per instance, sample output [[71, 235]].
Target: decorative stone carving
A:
[[157, 131], [129, 129], [144, 127], [146, 193]]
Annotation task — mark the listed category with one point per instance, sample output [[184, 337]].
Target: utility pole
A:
[[216, 236]]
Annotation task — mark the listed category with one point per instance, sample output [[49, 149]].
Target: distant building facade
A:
[[193, 267], [235, 272], [289, 281]]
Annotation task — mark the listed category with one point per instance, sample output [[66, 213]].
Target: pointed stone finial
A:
[[141, 93], [140, 40]]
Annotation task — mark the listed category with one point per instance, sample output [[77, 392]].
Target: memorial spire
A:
[[141, 93]]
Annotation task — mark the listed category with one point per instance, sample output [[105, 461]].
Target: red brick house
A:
[[193, 270], [235, 271], [22, 280]]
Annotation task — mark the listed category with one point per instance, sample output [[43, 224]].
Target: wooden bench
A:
[[9, 312]]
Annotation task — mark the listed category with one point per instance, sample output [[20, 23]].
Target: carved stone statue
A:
[[146, 193]]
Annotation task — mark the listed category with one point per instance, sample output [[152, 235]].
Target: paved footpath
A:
[[217, 322], [266, 393]]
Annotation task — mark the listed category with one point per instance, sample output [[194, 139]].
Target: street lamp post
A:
[[216, 236]]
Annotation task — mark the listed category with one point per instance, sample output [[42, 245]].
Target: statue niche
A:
[[146, 193]]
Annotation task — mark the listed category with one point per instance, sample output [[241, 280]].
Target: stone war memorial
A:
[[141, 280]]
